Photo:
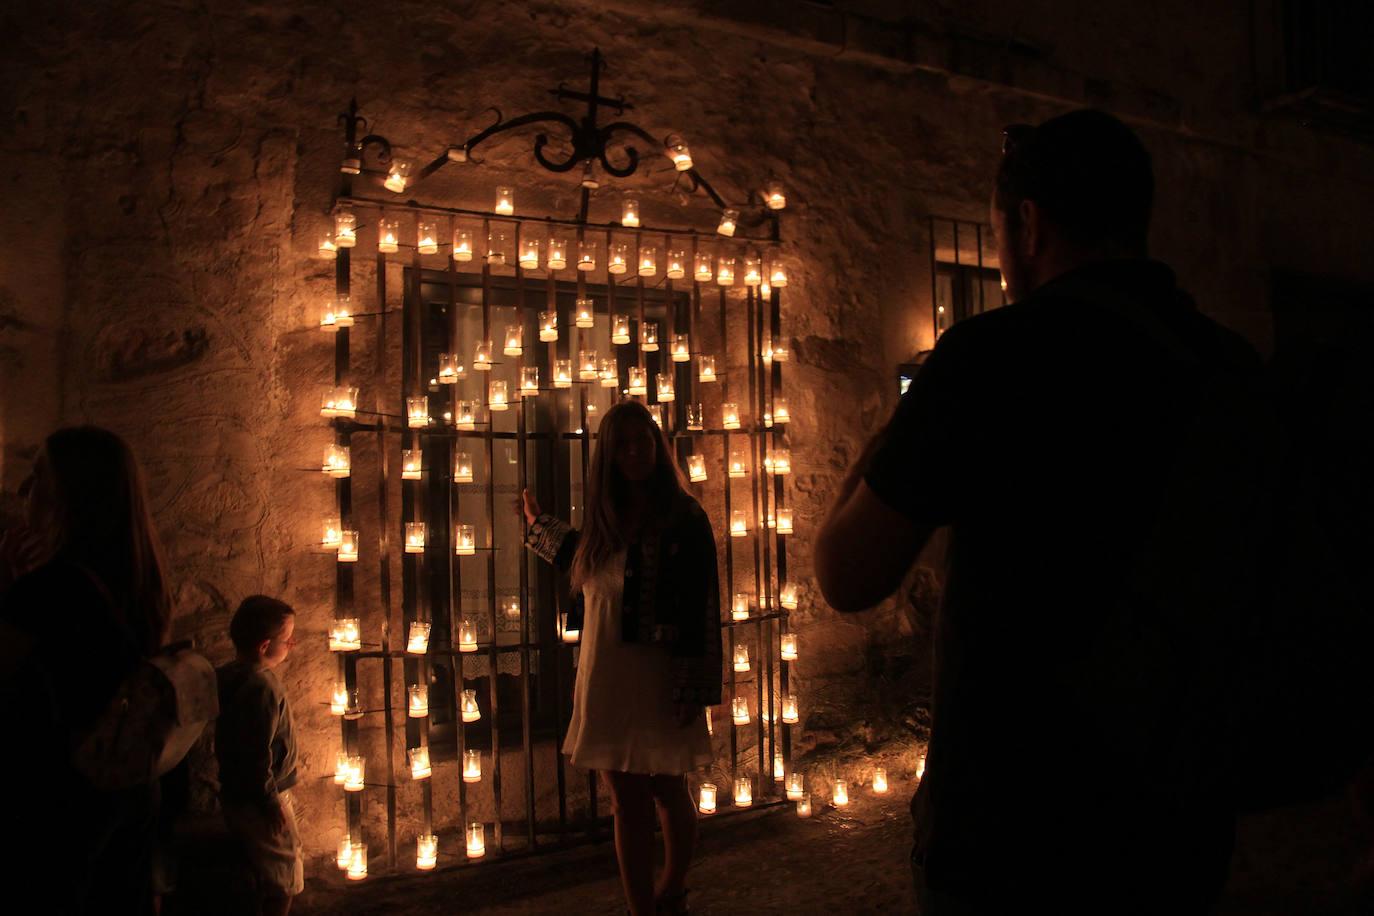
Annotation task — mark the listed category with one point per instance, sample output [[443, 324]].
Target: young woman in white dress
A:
[[644, 564]]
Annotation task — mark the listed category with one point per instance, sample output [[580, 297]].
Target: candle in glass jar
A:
[[338, 702], [328, 250], [463, 543], [739, 524], [338, 313], [585, 311], [339, 402], [782, 461], [411, 461], [706, 798], [752, 272], [569, 634], [357, 865], [470, 711], [804, 806], [880, 781], [462, 468], [356, 774], [345, 228], [744, 792], [677, 265], [388, 235], [496, 249], [620, 329], [562, 373], [795, 786], [419, 763], [728, 219], [729, 415], [739, 710], [784, 521], [336, 461], [779, 767], [680, 349], [397, 176], [706, 368], [777, 276], [417, 640], [529, 381], [677, 150], [920, 766], [617, 259], [629, 213], [466, 416], [417, 412], [462, 245], [477, 840], [529, 253], [774, 196], [450, 369], [497, 396], [586, 365], [607, 373], [426, 851], [348, 546], [467, 636], [725, 271], [344, 855], [548, 326], [694, 417], [789, 710], [345, 635], [558, 253], [648, 336], [839, 796], [637, 385], [739, 608], [515, 336], [787, 597], [332, 533], [418, 706], [665, 387], [696, 468], [648, 261], [737, 467], [481, 356], [781, 415], [586, 256], [702, 268], [789, 646], [741, 657], [415, 537], [342, 766], [505, 201], [426, 237], [472, 766]]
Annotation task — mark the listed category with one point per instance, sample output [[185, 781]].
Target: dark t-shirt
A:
[[1042, 434]]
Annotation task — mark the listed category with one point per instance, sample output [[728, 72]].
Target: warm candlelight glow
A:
[[411, 463], [505, 201], [796, 786], [348, 546], [676, 149], [789, 710], [744, 792], [784, 521], [426, 851], [344, 855], [741, 657], [338, 702], [629, 213], [345, 635], [616, 261], [701, 267], [331, 533], [419, 763], [777, 275], [648, 261], [388, 235], [357, 865], [774, 196], [779, 767], [462, 470], [620, 329], [789, 646], [497, 397], [788, 596], [725, 271], [739, 608], [677, 264], [586, 255], [340, 402], [706, 798], [586, 365], [782, 461], [739, 710], [558, 253], [562, 373], [637, 384], [706, 368], [729, 415], [585, 312], [481, 356], [781, 353], [738, 466], [804, 806], [342, 767], [515, 338], [477, 840], [568, 635], [839, 796], [450, 369], [920, 766], [466, 415], [679, 346], [739, 524], [728, 218], [417, 412], [648, 336], [753, 274], [397, 176], [338, 313], [427, 237], [418, 707], [472, 766], [529, 381], [467, 636], [328, 250], [355, 773], [462, 245], [463, 544], [415, 537], [694, 421], [529, 253], [782, 416], [417, 640], [665, 387], [510, 606], [548, 326], [336, 461], [880, 781], [345, 228], [470, 711], [607, 373], [696, 468], [496, 249]]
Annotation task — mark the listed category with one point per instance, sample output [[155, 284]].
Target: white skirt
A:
[[623, 715]]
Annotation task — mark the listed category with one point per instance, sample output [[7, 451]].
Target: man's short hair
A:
[[1088, 172], [258, 618]]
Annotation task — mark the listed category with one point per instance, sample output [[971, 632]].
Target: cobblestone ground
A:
[[770, 861]]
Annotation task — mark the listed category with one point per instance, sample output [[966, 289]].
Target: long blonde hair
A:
[[603, 532], [103, 523]]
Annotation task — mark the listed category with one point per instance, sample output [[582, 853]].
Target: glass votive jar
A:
[[496, 249], [606, 372], [345, 228], [694, 417], [696, 468], [781, 414], [345, 635], [344, 854], [465, 417], [784, 521], [729, 415], [529, 253], [348, 546], [702, 267], [562, 373], [357, 865], [586, 365], [774, 197], [741, 657], [648, 336], [586, 255], [356, 774], [418, 705], [739, 607], [548, 326], [420, 767], [648, 261], [411, 464], [789, 710], [753, 274], [470, 711], [462, 467], [397, 176], [706, 798], [426, 237], [388, 235], [788, 646], [676, 267], [804, 806], [415, 537], [450, 369], [463, 542], [336, 461], [706, 368], [728, 219], [738, 465], [462, 245], [617, 258], [629, 213], [620, 329], [679, 347], [558, 253], [426, 850], [497, 395], [744, 792], [739, 710], [328, 250], [417, 412], [477, 840], [777, 275], [505, 201], [472, 765], [529, 381], [340, 402], [481, 356], [839, 795], [467, 636], [796, 786], [584, 311], [725, 272], [666, 392], [514, 340], [637, 383], [880, 781], [417, 638]]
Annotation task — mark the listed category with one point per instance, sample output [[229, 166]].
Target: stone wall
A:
[[171, 164]]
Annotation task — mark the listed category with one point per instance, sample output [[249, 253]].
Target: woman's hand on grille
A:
[[528, 505]]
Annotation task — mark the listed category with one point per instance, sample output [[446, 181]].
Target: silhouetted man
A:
[[1043, 434]]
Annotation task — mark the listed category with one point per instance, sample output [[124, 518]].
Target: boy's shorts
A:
[[274, 855]]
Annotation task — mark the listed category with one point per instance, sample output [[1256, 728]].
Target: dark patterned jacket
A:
[[671, 593]]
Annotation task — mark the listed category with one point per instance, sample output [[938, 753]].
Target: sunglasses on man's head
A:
[[1013, 135]]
